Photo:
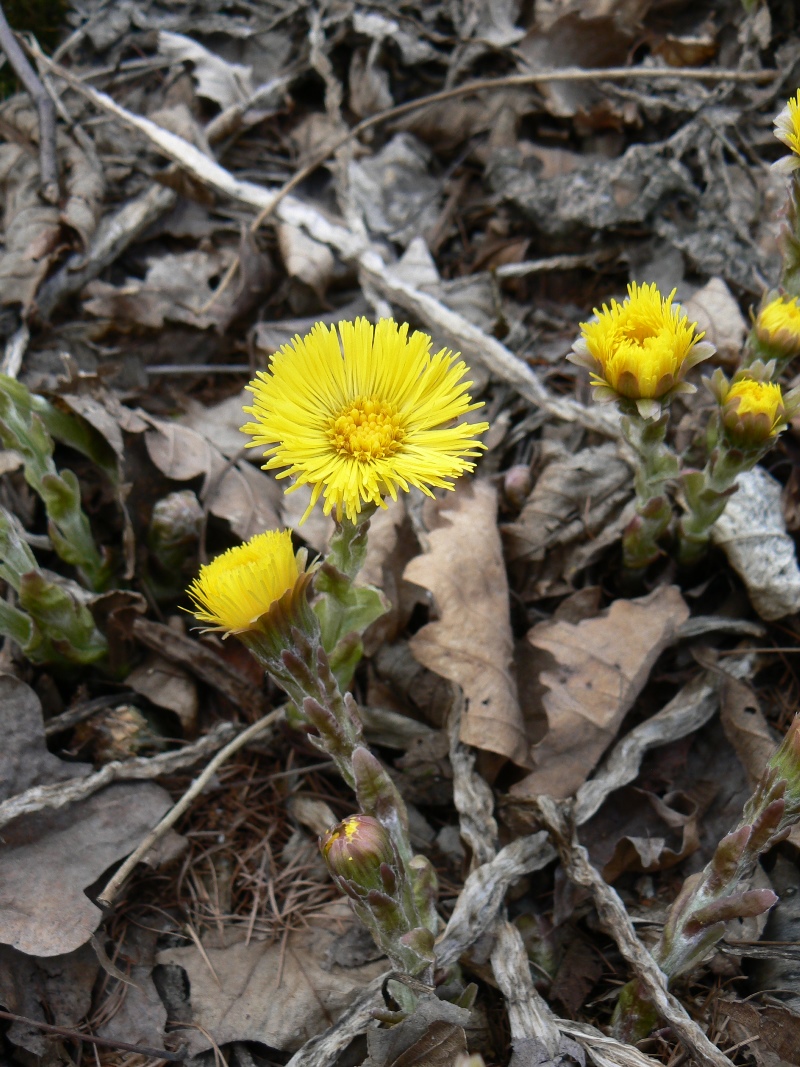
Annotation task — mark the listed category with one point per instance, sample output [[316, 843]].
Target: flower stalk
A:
[[259, 591], [721, 891], [657, 466]]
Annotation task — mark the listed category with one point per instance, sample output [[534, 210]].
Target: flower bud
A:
[[752, 413], [517, 484], [359, 853], [776, 331], [174, 530], [786, 763]]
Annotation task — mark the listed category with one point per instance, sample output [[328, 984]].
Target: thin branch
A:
[[109, 894], [57, 795], [104, 1042], [48, 157]]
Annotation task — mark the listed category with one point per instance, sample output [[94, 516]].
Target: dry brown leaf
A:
[[777, 1027], [24, 758], [716, 311], [168, 686], [275, 993], [244, 495], [305, 259], [601, 665], [745, 726], [34, 232], [471, 643], [181, 287], [49, 859], [54, 990], [574, 497]]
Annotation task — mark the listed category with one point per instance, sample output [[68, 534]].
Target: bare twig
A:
[[557, 817], [107, 897], [104, 1042], [48, 157], [59, 794]]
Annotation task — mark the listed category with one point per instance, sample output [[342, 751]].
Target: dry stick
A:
[[59, 794], [569, 74], [48, 159], [105, 1042], [107, 897], [557, 817]]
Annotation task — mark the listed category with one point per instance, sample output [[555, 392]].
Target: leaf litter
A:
[[514, 660]]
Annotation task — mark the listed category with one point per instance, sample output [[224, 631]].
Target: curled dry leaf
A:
[[394, 191], [471, 643], [276, 993], [56, 990], [745, 727], [752, 534], [601, 665], [247, 497], [218, 80], [716, 311], [574, 497], [34, 232]]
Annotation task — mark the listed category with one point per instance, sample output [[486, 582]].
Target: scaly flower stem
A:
[[345, 609], [719, 892], [657, 465], [301, 666], [790, 279], [706, 494]]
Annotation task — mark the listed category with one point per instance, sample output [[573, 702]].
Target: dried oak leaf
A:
[[49, 859], [601, 665], [574, 496], [471, 643], [276, 993]]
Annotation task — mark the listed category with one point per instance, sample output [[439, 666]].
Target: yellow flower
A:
[[753, 412], [787, 130], [358, 415], [778, 326], [233, 591], [754, 409], [640, 350]]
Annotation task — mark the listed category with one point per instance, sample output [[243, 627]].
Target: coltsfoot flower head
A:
[[359, 414], [241, 585], [777, 327], [640, 350], [356, 852], [753, 408], [787, 130]]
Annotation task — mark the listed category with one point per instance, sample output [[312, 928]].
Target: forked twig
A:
[[48, 157]]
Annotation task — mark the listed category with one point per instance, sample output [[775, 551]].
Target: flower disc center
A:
[[366, 429]]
